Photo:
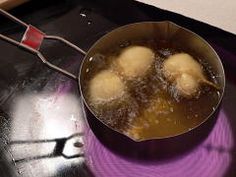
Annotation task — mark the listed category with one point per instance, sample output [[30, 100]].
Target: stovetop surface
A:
[[42, 118]]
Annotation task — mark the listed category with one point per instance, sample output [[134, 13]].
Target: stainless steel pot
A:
[[165, 30]]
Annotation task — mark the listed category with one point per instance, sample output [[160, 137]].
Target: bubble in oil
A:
[[165, 52], [125, 44], [132, 114]]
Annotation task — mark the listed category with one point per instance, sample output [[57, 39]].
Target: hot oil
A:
[[119, 113], [152, 108]]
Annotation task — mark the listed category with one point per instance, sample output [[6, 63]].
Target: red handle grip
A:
[[33, 37]]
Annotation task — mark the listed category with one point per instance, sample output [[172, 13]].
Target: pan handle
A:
[[32, 40]]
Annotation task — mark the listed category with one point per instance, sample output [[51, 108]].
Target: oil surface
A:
[[151, 107]]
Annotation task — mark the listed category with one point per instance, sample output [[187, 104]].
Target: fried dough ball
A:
[[186, 84], [183, 70], [181, 63], [134, 61], [105, 86]]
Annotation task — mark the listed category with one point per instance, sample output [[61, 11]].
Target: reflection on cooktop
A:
[[46, 126], [42, 122]]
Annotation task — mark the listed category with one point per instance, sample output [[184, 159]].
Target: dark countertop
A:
[[40, 109]]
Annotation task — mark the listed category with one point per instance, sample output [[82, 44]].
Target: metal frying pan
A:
[[33, 38]]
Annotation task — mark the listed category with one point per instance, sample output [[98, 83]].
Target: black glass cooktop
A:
[[43, 127]]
